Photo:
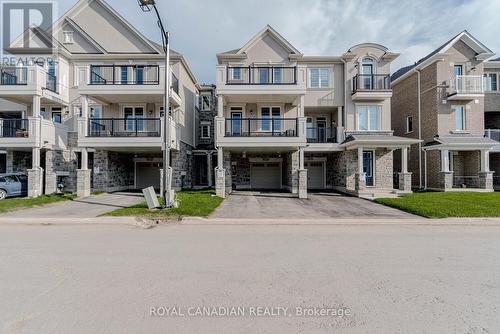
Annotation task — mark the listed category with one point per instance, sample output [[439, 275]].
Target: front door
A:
[[321, 129], [368, 167]]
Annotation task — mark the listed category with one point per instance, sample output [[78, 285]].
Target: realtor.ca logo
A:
[[26, 27]]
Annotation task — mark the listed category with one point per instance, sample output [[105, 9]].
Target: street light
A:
[[146, 6]]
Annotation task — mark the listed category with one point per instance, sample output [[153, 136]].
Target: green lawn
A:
[[192, 203], [444, 205], [12, 204]]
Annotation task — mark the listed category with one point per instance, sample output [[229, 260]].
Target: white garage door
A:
[[315, 175], [147, 174], [266, 175]]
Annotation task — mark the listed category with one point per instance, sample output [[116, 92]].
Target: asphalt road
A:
[[389, 278]]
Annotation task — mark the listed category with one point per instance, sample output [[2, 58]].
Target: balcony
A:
[[20, 84], [129, 84], [32, 132], [492, 134], [466, 88], [248, 80], [371, 87], [132, 132], [273, 133], [321, 135]]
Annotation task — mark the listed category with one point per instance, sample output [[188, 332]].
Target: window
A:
[[96, 112], [409, 124], [56, 115], [140, 75], [459, 112], [490, 82], [263, 75], [124, 75], [42, 112], [134, 118], [319, 78], [457, 70], [277, 75], [236, 73], [368, 117], [267, 114], [205, 131], [68, 37], [206, 102]]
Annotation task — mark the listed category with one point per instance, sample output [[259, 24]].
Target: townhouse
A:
[[492, 114], [89, 118], [286, 121], [441, 101]]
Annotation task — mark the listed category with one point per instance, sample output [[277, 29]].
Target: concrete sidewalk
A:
[[89, 207]]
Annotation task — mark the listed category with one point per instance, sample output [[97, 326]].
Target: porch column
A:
[[35, 106], [9, 161], [220, 174], [302, 102], [340, 125], [35, 174], [445, 175], [404, 176], [209, 169], [82, 121], [50, 172], [220, 106], [302, 176], [360, 177], [83, 176], [485, 175]]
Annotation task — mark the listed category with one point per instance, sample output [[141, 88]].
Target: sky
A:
[[202, 28]]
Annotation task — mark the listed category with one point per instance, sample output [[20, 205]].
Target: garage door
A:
[[265, 175], [147, 174], [315, 175]]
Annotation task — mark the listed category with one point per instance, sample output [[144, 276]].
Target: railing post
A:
[[249, 127], [135, 121], [249, 74], [272, 74], [112, 127]]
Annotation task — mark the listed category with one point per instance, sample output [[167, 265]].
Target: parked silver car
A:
[[13, 185]]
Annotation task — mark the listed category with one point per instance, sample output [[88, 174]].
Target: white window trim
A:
[[379, 120], [407, 124], [486, 76], [205, 124], [330, 79]]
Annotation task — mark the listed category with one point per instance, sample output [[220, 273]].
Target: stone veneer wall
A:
[[384, 173], [182, 162], [115, 171], [63, 161]]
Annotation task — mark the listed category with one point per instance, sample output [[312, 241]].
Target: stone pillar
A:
[[303, 183], [485, 160], [209, 169], [50, 175], [83, 182], [35, 182], [220, 173], [405, 182], [9, 162], [295, 171], [340, 125], [486, 180], [445, 180]]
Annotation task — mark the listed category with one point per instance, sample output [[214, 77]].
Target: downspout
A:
[[344, 112], [420, 132], [425, 168]]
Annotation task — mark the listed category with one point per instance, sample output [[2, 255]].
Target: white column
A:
[[485, 161], [301, 158], [360, 160], [35, 107], [220, 158], [339, 117], [301, 106], [85, 159], [85, 106], [220, 106], [445, 161], [404, 160], [35, 158]]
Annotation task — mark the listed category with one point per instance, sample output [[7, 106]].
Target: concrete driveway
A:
[[255, 205], [89, 207]]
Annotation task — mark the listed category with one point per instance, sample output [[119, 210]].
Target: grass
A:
[[444, 205], [192, 203], [13, 204]]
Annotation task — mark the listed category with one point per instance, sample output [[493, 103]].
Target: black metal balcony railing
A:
[[267, 75], [124, 127], [262, 127], [13, 76], [124, 75], [370, 82], [321, 135], [493, 134], [51, 83], [12, 128]]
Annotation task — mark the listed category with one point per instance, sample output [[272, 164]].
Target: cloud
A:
[[200, 29]]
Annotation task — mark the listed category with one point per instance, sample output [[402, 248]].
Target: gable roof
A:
[[482, 51], [268, 30]]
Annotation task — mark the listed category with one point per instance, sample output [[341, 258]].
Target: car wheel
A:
[[3, 194]]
